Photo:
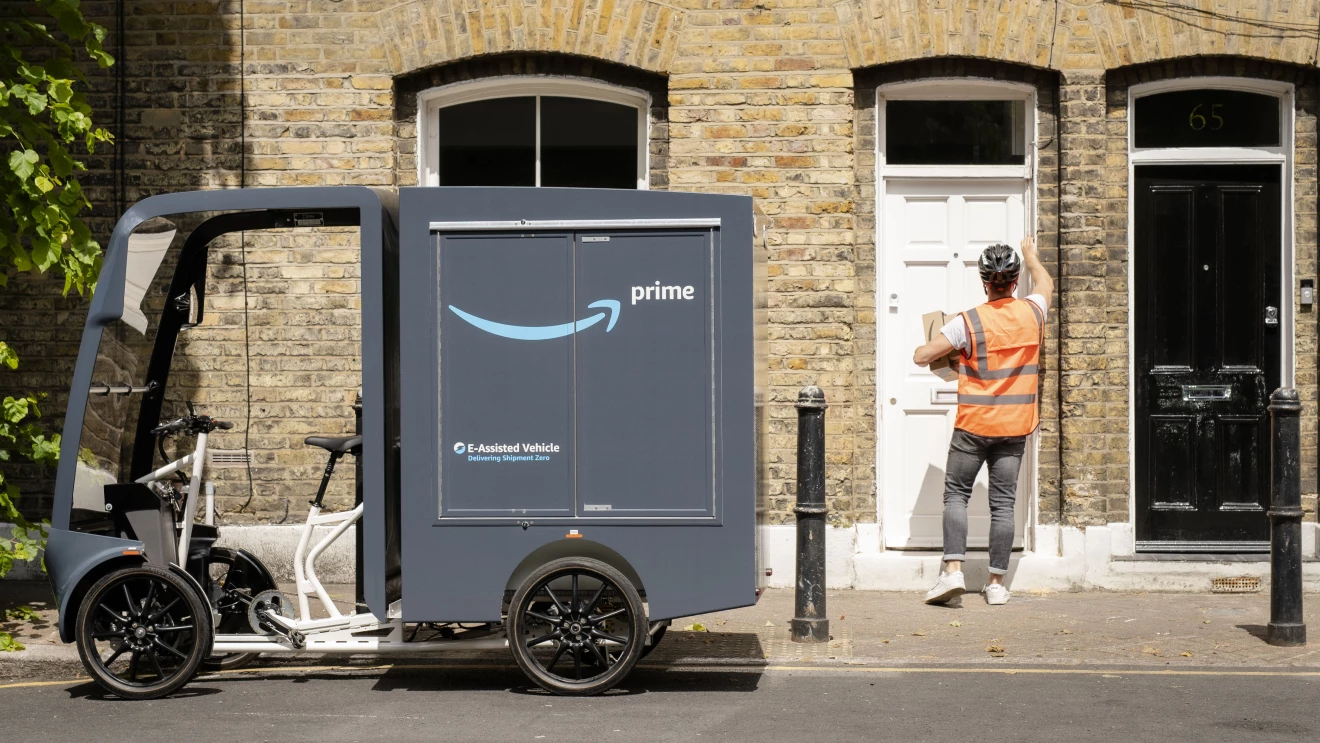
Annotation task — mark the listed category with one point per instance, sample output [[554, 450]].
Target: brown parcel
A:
[[945, 367]]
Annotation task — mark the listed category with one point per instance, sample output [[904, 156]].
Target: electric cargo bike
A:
[[557, 452]]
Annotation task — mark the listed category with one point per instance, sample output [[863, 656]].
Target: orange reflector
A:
[[132, 552], [572, 535]]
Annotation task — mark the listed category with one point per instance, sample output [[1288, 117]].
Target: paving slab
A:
[[897, 629]]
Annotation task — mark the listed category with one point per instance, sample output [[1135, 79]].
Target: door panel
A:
[[498, 391], [932, 234], [1206, 270], [644, 389]]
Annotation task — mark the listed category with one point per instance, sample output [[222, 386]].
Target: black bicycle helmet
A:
[[999, 265]]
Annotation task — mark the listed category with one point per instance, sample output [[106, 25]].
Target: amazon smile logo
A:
[[544, 332]]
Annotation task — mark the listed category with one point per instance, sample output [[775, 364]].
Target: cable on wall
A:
[[242, 249], [1058, 260], [120, 185]]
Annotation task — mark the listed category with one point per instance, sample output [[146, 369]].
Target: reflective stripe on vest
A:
[[998, 381]]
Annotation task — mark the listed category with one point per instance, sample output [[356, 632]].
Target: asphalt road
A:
[[456, 704]]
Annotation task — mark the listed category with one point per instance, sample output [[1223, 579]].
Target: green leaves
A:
[[23, 163], [44, 121], [16, 409]]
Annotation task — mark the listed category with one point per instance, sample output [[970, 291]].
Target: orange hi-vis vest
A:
[[999, 377]]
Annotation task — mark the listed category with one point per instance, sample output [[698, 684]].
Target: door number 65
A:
[[1197, 120]]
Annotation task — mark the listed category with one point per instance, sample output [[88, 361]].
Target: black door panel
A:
[[1206, 272]]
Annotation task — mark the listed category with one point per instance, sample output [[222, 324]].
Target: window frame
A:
[[429, 103], [956, 89]]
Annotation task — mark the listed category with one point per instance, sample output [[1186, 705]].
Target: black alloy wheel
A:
[[142, 632], [230, 583], [576, 626]]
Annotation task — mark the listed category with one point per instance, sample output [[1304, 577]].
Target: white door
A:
[[932, 233]]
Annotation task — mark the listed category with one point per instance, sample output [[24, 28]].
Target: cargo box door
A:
[[645, 393], [507, 317]]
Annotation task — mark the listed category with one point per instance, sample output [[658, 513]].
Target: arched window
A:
[[533, 131]]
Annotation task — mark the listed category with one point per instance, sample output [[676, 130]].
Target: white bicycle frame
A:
[[197, 460], [336, 633]]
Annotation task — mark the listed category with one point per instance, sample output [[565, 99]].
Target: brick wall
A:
[[773, 98]]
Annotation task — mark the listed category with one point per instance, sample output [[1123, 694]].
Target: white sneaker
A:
[[950, 586], [995, 594]]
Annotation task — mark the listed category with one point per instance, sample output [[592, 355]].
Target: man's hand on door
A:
[[1041, 283]]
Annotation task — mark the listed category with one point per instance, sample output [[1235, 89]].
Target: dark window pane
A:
[[955, 132], [1207, 118], [588, 144], [1240, 221], [488, 143]]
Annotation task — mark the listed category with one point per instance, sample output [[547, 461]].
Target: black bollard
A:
[[810, 622], [1286, 627]]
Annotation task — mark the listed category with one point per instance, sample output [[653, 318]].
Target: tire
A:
[[225, 573], [153, 618], [577, 626]]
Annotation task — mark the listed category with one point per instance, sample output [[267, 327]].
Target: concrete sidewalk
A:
[[896, 629]]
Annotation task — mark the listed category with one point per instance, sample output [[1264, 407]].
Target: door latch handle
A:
[[1271, 315]]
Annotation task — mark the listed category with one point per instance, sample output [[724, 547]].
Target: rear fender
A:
[[75, 560]]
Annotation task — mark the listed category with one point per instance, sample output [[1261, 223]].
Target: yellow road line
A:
[[25, 684], [743, 668]]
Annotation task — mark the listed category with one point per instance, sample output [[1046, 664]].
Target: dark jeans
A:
[[967, 452]]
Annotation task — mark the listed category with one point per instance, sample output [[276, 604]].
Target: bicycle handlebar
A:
[[191, 424]]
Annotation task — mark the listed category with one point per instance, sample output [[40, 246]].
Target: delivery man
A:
[[998, 387]]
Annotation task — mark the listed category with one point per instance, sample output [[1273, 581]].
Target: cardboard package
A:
[[945, 367]]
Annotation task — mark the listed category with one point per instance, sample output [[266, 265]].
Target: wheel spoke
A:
[[174, 628], [107, 635], [577, 662], [156, 641], [608, 636], [543, 638], [160, 672], [114, 656], [604, 661], [111, 612], [132, 665], [167, 607], [555, 658], [555, 599], [591, 605], [132, 605], [575, 592], [544, 617], [151, 594], [603, 617]]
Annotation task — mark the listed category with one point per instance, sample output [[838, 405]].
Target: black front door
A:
[[1207, 321]]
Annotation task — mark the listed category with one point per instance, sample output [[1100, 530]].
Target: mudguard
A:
[[71, 556]]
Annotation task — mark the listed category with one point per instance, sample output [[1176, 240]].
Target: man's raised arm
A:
[[1041, 283]]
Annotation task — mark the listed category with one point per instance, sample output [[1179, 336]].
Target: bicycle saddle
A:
[[340, 444]]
